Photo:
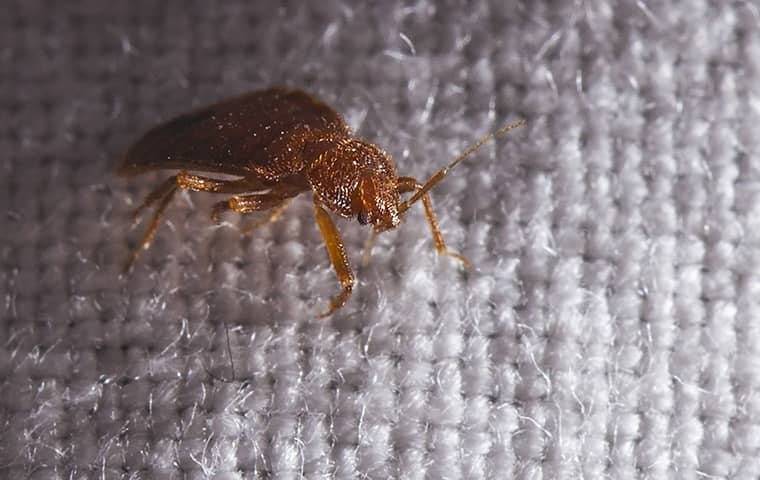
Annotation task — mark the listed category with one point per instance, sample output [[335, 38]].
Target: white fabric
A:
[[608, 329]]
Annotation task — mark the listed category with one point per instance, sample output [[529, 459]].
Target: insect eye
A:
[[363, 218]]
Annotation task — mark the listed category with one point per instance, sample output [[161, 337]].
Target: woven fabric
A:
[[609, 325]]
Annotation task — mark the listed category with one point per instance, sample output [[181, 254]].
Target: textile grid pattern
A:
[[610, 326]]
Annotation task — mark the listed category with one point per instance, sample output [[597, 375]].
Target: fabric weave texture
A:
[[609, 327]]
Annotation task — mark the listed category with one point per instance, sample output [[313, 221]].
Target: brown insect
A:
[[280, 143]]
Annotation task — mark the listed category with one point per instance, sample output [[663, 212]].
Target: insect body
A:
[[280, 143]]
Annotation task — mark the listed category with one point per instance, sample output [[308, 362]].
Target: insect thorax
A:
[[337, 173]]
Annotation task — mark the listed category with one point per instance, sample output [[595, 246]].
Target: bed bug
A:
[[279, 143]]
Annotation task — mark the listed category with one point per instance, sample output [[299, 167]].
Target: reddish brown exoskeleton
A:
[[280, 143]]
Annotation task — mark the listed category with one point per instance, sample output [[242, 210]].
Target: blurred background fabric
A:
[[609, 327]]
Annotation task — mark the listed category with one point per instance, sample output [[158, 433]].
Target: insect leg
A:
[[252, 203], [165, 192], [188, 181], [274, 215], [409, 184], [166, 188], [337, 253]]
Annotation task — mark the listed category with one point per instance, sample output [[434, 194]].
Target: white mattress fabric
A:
[[609, 325]]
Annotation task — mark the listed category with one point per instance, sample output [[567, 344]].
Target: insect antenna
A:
[[441, 174]]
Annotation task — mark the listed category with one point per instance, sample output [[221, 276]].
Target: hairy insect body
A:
[[367, 187], [280, 143]]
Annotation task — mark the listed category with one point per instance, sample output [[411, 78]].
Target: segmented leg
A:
[[167, 194], [167, 187], [254, 203], [275, 215], [166, 190], [338, 257], [409, 184], [197, 183]]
